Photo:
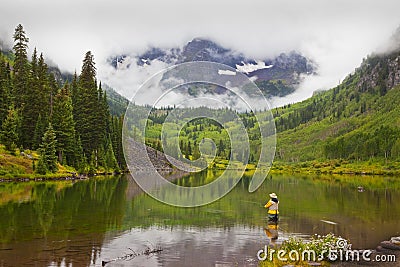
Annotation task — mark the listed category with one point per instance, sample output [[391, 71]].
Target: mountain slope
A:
[[359, 120], [116, 102]]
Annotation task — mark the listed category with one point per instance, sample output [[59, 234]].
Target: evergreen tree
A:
[[5, 89], [43, 88], [41, 166], [21, 67], [48, 149], [102, 115], [9, 133], [40, 128], [31, 106], [196, 151], [116, 136], [64, 128], [188, 150], [87, 108], [80, 159], [75, 95], [53, 90], [221, 148], [110, 160]]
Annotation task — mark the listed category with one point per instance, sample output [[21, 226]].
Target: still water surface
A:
[[84, 223]]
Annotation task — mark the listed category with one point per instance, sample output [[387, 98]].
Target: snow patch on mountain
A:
[[249, 67]]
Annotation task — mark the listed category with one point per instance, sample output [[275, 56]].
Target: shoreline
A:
[[338, 167], [29, 177]]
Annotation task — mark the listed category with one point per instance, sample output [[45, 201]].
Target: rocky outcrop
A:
[[381, 71], [393, 78], [136, 154]]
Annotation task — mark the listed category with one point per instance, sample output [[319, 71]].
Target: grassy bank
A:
[[21, 164], [372, 167]]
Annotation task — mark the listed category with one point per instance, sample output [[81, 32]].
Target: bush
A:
[[319, 244], [41, 166]]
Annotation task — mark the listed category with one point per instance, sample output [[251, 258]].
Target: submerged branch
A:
[[129, 256]]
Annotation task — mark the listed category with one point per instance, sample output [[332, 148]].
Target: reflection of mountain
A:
[[276, 76]]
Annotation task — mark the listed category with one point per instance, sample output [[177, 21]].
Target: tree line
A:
[[67, 123]]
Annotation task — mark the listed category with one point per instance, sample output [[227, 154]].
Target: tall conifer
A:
[[64, 128]]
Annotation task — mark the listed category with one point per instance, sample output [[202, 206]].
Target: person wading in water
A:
[[272, 206]]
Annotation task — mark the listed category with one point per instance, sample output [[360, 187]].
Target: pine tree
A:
[[221, 148], [110, 160], [5, 89], [120, 151], [43, 88], [116, 138], [87, 108], [102, 115], [41, 167], [21, 66], [188, 150], [64, 128], [74, 95], [53, 90], [9, 133], [32, 104], [80, 159], [48, 149], [196, 151], [40, 128], [106, 113]]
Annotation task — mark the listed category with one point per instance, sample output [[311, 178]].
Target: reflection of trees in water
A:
[[61, 225], [54, 224], [305, 201]]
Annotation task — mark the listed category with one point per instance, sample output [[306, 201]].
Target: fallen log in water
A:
[[129, 256]]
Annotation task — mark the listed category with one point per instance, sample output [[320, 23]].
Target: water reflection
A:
[[60, 223], [271, 230], [83, 223]]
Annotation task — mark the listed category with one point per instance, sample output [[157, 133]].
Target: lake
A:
[[84, 223]]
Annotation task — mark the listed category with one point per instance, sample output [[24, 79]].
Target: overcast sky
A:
[[335, 34]]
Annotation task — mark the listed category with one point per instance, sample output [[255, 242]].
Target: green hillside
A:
[[357, 121], [352, 128], [116, 103]]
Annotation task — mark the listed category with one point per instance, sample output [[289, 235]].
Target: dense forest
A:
[[68, 122]]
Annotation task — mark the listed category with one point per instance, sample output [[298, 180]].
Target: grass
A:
[[320, 245], [337, 166], [20, 166]]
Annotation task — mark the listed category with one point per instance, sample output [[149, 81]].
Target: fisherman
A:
[[272, 206]]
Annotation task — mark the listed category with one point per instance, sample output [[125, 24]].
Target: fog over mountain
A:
[[335, 35], [276, 77]]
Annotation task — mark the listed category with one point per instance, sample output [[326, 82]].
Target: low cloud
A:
[[335, 34]]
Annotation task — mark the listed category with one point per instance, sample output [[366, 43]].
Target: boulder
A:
[[395, 240], [389, 245]]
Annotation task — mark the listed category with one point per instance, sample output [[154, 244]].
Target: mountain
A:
[[116, 102], [359, 120], [278, 76]]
